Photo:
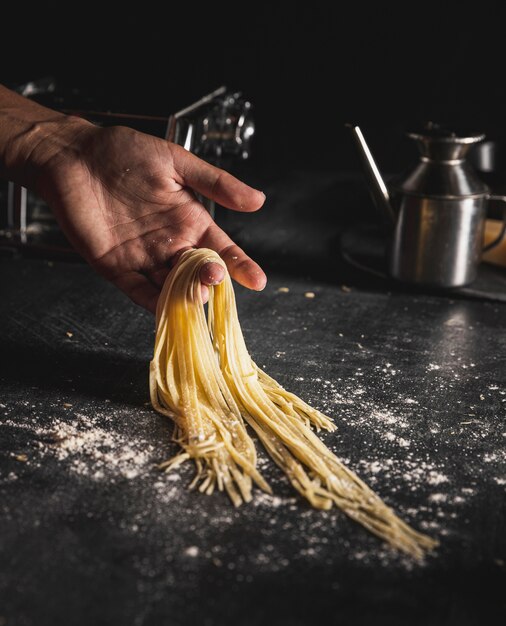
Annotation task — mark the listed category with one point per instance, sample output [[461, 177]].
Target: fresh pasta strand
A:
[[203, 378]]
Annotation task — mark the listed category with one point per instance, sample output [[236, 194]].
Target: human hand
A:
[[124, 199]]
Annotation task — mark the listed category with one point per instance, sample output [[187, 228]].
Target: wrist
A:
[[37, 138]]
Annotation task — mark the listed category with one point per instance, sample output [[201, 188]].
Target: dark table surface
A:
[[91, 532]]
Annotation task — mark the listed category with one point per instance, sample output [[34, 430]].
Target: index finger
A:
[[214, 183]]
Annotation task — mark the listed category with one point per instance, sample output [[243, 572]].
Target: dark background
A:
[[306, 70]]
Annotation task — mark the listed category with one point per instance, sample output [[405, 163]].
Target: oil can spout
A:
[[375, 181]]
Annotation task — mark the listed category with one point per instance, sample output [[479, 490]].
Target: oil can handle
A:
[[501, 235]]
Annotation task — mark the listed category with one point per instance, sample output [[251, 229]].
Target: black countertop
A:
[[92, 533]]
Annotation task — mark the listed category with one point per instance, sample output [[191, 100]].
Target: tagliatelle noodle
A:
[[203, 378]]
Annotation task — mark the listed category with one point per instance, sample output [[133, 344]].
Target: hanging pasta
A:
[[204, 379]]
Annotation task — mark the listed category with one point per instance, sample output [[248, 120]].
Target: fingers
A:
[[205, 293], [158, 277], [212, 274], [214, 183], [144, 289], [139, 289], [242, 269]]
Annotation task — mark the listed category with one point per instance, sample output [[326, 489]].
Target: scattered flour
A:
[[438, 497], [416, 430], [264, 499], [88, 449]]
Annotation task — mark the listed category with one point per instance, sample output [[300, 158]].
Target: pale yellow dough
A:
[[204, 379]]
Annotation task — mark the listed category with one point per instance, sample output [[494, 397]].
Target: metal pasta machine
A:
[[218, 128]]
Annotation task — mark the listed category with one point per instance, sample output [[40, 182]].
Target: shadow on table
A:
[[441, 594], [65, 370]]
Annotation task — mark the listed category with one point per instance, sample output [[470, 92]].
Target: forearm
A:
[[30, 135]]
